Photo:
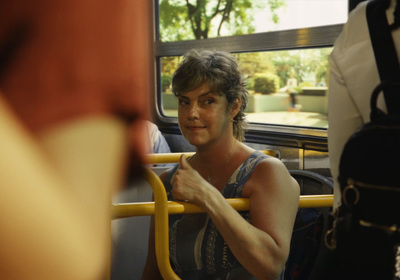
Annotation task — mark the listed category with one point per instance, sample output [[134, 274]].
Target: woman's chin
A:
[[196, 141]]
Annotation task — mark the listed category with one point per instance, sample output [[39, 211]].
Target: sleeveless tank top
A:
[[197, 249]]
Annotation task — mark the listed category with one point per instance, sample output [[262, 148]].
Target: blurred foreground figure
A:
[[74, 76]]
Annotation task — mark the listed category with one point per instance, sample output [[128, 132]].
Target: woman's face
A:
[[203, 116]]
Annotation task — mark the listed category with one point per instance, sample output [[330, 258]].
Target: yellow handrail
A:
[[174, 157], [125, 210]]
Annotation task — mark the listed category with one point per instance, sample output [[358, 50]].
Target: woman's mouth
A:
[[195, 127]]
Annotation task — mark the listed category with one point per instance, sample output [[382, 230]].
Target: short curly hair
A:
[[221, 71]]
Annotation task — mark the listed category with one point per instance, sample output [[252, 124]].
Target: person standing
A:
[[365, 252], [353, 77]]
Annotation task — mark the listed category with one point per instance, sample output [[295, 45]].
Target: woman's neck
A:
[[216, 152], [213, 162]]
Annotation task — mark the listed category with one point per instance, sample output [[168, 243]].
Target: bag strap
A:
[[385, 53]]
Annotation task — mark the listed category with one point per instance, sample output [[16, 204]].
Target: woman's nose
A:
[[194, 111]]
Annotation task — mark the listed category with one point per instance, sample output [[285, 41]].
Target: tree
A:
[[304, 63], [266, 83], [255, 62], [197, 19], [322, 67]]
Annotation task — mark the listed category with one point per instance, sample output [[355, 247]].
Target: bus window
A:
[[285, 87], [211, 18], [282, 47]]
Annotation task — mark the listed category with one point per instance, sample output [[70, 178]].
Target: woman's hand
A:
[[188, 185]]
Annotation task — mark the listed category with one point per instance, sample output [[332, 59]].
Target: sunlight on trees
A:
[[194, 19], [201, 19], [309, 67]]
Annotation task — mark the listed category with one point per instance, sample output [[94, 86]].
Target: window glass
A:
[[286, 87], [193, 19]]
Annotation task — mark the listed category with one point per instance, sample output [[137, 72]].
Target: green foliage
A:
[[302, 63], [174, 21], [199, 19], [275, 5], [250, 84], [255, 62], [305, 64], [165, 82], [266, 83], [169, 64], [287, 61], [322, 68]]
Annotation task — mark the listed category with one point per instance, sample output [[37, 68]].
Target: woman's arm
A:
[[263, 246]]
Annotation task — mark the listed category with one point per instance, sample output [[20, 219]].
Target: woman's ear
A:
[[235, 108]]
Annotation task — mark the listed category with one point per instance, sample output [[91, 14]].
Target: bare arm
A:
[[263, 246]]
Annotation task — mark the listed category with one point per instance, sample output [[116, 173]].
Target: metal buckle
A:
[[349, 187]]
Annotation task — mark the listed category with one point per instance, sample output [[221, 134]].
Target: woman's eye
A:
[[209, 101], [183, 102]]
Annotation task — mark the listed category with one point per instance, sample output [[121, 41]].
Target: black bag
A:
[[368, 171], [366, 230]]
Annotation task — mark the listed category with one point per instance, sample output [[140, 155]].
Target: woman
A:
[[224, 244]]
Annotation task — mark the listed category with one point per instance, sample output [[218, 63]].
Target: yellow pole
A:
[[161, 226], [124, 210], [174, 157]]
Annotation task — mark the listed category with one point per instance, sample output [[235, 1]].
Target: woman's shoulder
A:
[[248, 159], [269, 164], [256, 157], [246, 163], [271, 173]]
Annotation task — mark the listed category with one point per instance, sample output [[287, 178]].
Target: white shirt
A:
[[353, 77]]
